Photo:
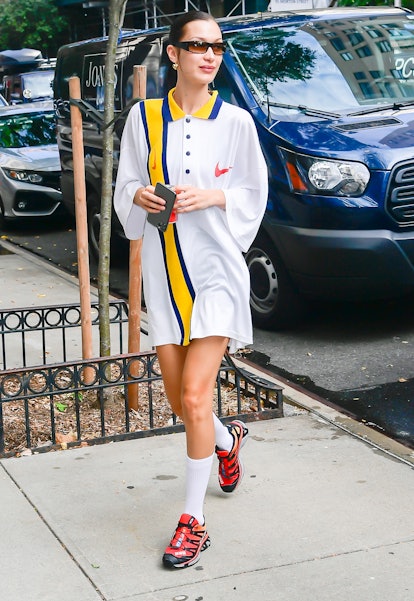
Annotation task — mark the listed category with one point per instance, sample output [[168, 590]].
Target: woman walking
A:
[[196, 281]]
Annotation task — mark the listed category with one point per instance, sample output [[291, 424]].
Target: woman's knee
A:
[[196, 407]]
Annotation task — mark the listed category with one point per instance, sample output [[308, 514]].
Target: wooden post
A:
[[135, 272], [81, 224]]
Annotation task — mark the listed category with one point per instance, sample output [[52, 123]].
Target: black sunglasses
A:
[[198, 47]]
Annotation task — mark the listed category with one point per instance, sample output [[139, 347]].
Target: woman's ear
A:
[[172, 53]]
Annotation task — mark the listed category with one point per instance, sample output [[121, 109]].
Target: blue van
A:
[[332, 95]]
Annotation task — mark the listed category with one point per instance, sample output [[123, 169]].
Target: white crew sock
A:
[[224, 440], [197, 477]]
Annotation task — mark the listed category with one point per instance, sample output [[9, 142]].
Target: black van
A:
[[332, 95]]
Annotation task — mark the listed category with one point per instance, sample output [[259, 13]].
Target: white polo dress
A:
[[196, 281]]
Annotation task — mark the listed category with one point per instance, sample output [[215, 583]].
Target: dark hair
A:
[[180, 22]]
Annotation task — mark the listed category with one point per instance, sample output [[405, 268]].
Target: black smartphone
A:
[[160, 220]]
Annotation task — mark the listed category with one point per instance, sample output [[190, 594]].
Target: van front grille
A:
[[400, 197]]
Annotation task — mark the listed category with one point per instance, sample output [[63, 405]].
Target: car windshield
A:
[[36, 129], [334, 65]]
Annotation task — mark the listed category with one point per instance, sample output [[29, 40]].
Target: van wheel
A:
[[274, 302]]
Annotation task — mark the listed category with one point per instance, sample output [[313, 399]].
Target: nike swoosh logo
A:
[[218, 171]]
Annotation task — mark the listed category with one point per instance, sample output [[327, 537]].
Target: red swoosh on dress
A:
[[218, 171]]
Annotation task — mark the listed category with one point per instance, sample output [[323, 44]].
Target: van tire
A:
[[274, 302]]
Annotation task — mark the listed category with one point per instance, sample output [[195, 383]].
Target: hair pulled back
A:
[[180, 22]]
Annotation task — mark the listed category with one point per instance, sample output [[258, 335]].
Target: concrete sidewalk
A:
[[320, 515], [324, 512]]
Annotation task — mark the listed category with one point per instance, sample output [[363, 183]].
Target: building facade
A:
[[89, 18]]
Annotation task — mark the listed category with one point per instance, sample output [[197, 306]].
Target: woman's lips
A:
[[208, 69]]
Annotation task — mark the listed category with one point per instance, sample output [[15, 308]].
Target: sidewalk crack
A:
[[54, 534]]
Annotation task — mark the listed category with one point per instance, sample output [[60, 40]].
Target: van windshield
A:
[[335, 65]]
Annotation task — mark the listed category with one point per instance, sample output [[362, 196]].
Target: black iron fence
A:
[[71, 402], [40, 335]]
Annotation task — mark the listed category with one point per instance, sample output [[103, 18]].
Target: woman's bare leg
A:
[[189, 374], [171, 358], [202, 362]]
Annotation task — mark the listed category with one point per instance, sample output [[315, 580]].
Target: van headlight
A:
[[323, 176]]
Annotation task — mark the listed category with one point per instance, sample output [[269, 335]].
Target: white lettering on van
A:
[[96, 76], [405, 66]]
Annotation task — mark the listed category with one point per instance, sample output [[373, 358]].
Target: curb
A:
[[298, 397]]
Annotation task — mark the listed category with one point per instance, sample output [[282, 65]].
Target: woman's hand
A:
[[190, 198], [146, 199]]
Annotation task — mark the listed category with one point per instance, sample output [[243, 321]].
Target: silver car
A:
[[29, 161]]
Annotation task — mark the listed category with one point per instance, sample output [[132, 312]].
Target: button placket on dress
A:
[[187, 150]]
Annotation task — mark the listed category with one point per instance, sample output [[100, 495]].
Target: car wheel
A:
[[274, 302]]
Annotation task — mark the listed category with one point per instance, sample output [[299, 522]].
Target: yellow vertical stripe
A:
[[153, 111], [180, 287]]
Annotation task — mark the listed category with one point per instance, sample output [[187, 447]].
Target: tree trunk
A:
[[116, 18]]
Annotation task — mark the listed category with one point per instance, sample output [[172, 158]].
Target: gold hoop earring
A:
[[175, 66]]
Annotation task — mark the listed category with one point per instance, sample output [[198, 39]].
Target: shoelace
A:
[[183, 535], [229, 465], [179, 538]]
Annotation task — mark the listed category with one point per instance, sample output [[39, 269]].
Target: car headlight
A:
[[324, 176], [24, 176]]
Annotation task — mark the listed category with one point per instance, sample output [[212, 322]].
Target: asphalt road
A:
[[356, 356]]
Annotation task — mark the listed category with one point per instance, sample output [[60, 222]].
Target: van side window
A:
[[129, 53], [146, 52]]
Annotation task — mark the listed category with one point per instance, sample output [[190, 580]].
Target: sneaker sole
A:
[[241, 466], [245, 436], [169, 564]]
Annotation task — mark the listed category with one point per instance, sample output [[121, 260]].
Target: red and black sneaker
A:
[[188, 540], [230, 471]]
